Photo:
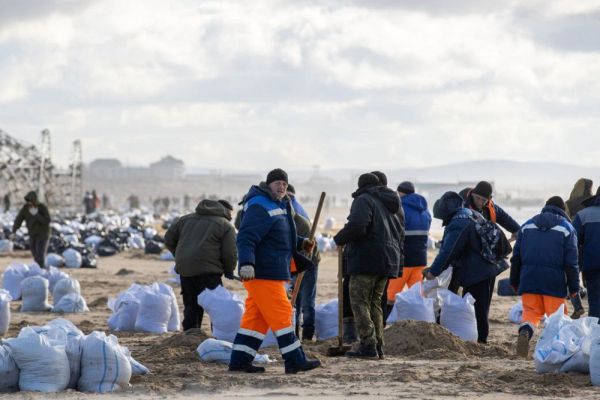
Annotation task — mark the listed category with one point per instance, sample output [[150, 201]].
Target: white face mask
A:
[[33, 210]]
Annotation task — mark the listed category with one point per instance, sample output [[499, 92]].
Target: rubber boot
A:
[[291, 350], [363, 351], [349, 331]]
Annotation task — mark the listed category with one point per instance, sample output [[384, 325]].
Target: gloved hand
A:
[[33, 210], [308, 245], [247, 272], [229, 275]]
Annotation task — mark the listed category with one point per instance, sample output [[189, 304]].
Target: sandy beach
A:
[[421, 363]]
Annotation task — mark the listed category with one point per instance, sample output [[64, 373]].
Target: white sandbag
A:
[[431, 288], [64, 287], [329, 223], [5, 299], [137, 368], [6, 246], [326, 320], [595, 355], [136, 241], [515, 315], [556, 344], [71, 239], [72, 258], [71, 303], [43, 365], [93, 241], [176, 279], [154, 312], [12, 277], [166, 255], [458, 315], [213, 350], [125, 310], [34, 291], [54, 275], [225, 310], [9, 373], [54, 260], [174, 324], [411, 305], [34, 269], [149, 233], [104, 366]]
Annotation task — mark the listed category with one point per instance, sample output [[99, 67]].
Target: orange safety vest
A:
[[492, 210], [293, 268]]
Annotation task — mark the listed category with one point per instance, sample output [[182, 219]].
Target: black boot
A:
[[386, 312], [380, 351], [308, 333], [363, 351], [305, 365], [349, 331]]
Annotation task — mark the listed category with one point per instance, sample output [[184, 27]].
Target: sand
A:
[[423, 361]]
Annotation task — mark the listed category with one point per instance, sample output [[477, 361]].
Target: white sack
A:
[[458, 315], [34, 291]]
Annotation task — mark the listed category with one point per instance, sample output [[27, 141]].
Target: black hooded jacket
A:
[[38, 225], [373, 233]]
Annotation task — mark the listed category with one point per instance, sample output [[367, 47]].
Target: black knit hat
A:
[[367, 180], [291, 189], [484, 189], [406, 187], [277, 175], [226, 204], [556, 201], [463, 193], [381, 176]]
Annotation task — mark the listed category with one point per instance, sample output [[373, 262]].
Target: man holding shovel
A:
[[266, 243], [373, 239]]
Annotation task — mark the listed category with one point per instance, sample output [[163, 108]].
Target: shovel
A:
[[311, 236], [340, 349]]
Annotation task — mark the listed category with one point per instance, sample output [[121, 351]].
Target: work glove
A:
[[308, 245], [247, 272], [33, 210]]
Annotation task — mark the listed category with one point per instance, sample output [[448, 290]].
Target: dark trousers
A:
[[482, 293], [191, 287], [592, 281], [305, 302], [39, 248], [347, 309], [384, 301]]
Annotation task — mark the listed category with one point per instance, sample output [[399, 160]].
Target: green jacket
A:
[[38, 225], [203, 242], [303, 227]]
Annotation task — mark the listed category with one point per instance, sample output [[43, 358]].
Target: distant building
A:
[[168, 167], [108, 168]]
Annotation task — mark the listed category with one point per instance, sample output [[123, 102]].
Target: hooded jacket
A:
[[587, 226], [38, 225], [203, 242], [544, 258], [373, 233], [581, 191], [267, 237], [417, 222], [461, 244]]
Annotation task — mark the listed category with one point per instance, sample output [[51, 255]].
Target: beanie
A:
[[406, 187], [367, 180], [556, 201], [226, 204], [484, 189], [277, 175], [381, 176]]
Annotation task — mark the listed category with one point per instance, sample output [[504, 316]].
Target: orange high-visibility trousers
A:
[[410, 276], [267, 306], [536, 305]]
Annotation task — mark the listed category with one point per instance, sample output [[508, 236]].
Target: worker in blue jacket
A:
[[266, 243], [476, 256], [587, 226]]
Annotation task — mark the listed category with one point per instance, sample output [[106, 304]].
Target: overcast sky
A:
[[258, 84]]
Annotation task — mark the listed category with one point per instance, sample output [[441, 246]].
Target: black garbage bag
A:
[[152, 247]]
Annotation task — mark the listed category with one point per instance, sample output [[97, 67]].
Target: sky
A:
[[252, 85]]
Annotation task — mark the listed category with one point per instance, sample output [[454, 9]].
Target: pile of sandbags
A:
[[58, 356], [12, 277], [565, 345], [150, 308]]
